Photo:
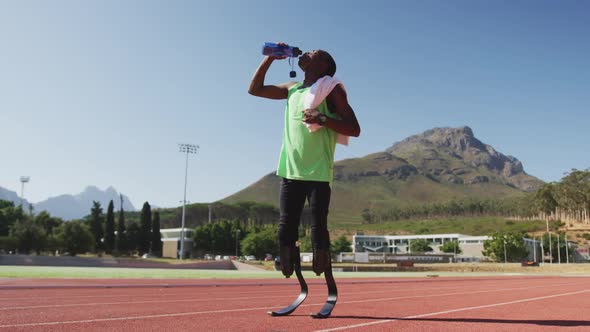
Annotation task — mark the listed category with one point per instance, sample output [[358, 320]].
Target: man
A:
[[307, 158]]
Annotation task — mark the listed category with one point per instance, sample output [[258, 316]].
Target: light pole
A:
[[534, 250], [567, 253], [550, 244], [185, 148], [23, 180], [237, 237], [505, 257], [542, 253], [558, 250]]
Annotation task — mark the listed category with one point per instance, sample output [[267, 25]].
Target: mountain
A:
[[435, 166], [454, 155], [77, 206], [73, 206], [7, 195]]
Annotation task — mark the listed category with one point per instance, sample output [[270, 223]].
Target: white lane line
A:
[[267, 308], [453, 310], [53, 298], [215, 299], [135, 317]]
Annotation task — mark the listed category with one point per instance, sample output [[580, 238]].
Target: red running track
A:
[[383, 304]]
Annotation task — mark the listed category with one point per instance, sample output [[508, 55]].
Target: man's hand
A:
[[279, 57], [310, 115]]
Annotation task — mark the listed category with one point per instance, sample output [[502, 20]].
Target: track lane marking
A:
[[452, 311]]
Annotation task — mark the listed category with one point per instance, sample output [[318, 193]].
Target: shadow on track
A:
[[561, 323]]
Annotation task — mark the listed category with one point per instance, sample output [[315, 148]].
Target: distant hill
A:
[[77, 206], [438, 165], [11, 196]]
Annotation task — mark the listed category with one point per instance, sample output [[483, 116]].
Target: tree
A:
[[305, 244], [8, 243], [367, 216], [420, 245], [202, 240], [9, 214], [96, 224], [145, 228], [156, 243], [121, 238], [451, 247], [545, 198], [75, 238], [223, 237], [512, 243], [573, 191], [29, 236], [109, 236], [49, 224], [259, 243], [133, 232], [341, 245]]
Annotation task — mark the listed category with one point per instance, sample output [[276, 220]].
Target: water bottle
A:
[[274, 49]]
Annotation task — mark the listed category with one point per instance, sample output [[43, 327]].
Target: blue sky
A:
[[100, 92]]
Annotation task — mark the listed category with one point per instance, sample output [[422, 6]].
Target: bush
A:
[[76, 238], [8, 243], [260, 243], [420, 245]]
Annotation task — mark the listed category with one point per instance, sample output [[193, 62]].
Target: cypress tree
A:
[[145, 228], [96, 225], [156, 242], [109, 236], [132, 236], [121, 245]]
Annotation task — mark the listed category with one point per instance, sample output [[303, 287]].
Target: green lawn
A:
[[9, 271], [442, 270]]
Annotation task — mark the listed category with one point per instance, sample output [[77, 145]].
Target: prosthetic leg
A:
[[291, 262], [322, 263]]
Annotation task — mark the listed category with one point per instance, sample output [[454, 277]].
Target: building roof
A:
[[169, 230], [427, 236]]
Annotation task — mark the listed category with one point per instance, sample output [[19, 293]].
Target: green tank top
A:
[[304, 155]]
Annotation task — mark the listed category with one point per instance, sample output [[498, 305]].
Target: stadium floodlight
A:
[[23, 180], [185, 148]]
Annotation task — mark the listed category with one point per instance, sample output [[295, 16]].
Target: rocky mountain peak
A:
[[453, 153], [457, 139]]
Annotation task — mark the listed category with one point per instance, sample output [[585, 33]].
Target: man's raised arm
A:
[[257, 87]]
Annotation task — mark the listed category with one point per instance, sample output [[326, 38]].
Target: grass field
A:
[[421, 270], [11, 271]]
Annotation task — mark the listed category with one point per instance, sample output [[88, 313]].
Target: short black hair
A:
[[331, 70]]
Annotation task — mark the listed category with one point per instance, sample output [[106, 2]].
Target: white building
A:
[[471, 246], [171, 242]]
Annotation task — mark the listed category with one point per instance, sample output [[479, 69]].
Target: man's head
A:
[[318, 62]]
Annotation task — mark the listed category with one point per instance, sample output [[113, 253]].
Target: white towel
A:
[[314, 97]]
